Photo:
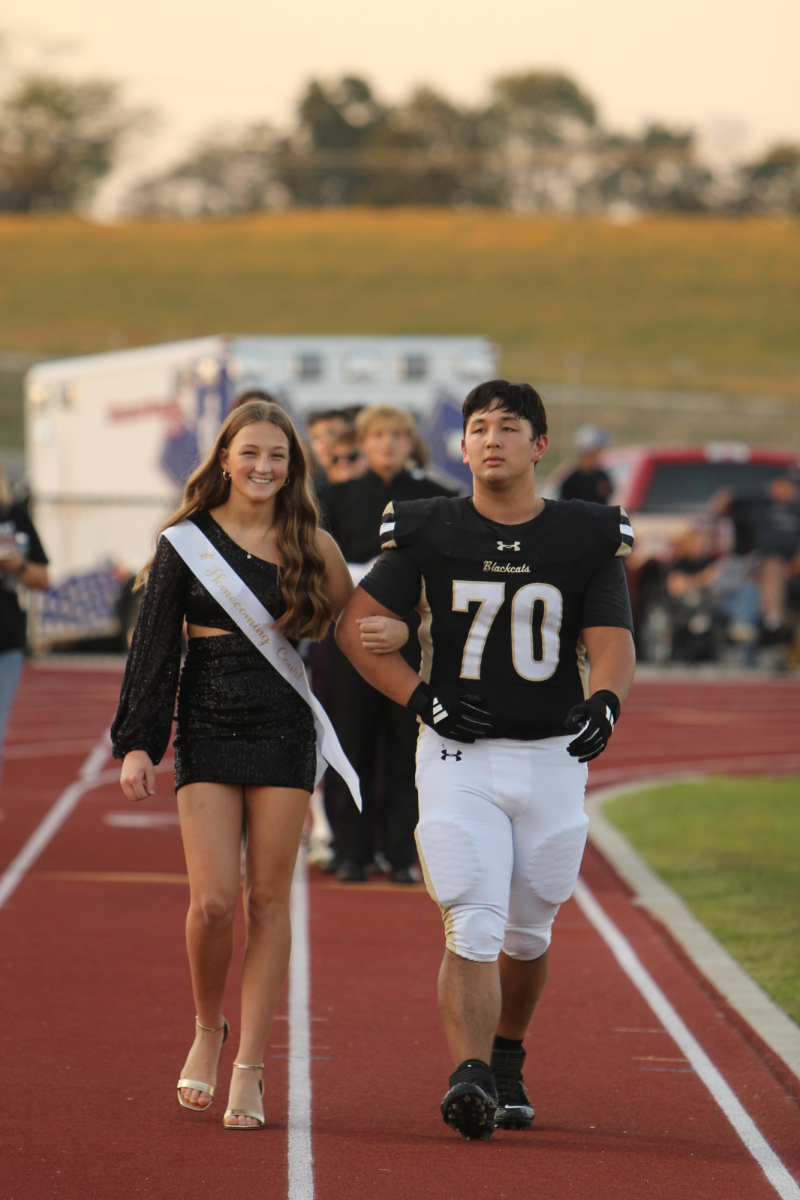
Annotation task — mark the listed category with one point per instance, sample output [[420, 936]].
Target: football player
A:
[[527, 654]]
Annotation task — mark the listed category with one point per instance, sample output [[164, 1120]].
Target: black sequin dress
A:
[[238, 720]]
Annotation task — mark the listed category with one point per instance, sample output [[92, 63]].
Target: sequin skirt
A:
[[239, 721]]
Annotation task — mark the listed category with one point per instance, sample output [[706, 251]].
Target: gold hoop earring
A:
[[225, 474]]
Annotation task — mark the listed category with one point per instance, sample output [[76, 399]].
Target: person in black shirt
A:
[[22, 561], [322, 428], [588, 481], [767, 525], [515, 593], [364, 718]]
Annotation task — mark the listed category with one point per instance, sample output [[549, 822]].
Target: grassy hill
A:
[[641, 301]]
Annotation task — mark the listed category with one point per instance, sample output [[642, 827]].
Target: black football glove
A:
[[598, 714], [453, 715]]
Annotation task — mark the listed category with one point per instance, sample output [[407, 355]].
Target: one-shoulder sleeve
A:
[[147, 699]]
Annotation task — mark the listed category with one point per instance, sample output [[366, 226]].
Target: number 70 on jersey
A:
[[536, 612]]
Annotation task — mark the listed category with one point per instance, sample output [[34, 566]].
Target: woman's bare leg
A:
[[211, 827], [275, 818]]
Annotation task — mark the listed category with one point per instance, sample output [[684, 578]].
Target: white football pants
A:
[[501, 835]]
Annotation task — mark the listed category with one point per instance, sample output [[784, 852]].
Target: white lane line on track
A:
[[733, 983], [301, 1172], [88, 777], [742, 1122]]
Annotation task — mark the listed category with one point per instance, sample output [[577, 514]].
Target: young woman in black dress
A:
[[245, 745]]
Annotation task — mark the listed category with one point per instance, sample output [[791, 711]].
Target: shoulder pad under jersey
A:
[[616, 526], [402, 520], [588, 522]]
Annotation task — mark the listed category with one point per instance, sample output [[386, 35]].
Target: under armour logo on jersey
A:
[[508, 545], [449, 754]]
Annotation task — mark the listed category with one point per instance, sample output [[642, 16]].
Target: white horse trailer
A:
[[110, 439]]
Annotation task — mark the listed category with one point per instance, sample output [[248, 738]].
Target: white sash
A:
[[234, 596]]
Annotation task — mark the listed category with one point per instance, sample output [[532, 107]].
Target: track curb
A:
[[752, 1004]]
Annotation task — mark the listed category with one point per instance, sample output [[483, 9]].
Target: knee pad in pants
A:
[[463, 863]]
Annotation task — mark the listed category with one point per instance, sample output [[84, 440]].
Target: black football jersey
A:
[[502, 607]]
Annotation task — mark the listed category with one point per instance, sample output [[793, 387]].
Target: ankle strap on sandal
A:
[[210, 1028], [249, 1066]]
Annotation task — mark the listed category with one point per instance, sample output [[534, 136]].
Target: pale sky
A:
[[727, 67]]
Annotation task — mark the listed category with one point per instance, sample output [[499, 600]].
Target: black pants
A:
[[364, 720]]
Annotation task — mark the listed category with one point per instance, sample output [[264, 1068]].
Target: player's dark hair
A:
[[519, 400]]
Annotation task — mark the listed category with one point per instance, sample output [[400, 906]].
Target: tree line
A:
[[536, 144]]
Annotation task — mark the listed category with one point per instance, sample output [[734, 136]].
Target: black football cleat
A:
[[470, 1104], [514, 1109]]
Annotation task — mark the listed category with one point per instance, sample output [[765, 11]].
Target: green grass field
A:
[[690, 302], [719, 289], [731, 848]]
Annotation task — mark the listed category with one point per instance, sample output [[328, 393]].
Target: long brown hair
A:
[[308, 611]]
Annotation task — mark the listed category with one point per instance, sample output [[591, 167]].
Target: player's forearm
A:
[[389, 673], [612, 660]]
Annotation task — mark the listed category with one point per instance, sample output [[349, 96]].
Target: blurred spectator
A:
[[695, 566], [705, 589], [22, 561], [418, 459], [737, 594], [348, 460], [323, 427], [331, 433], [690, 583], [365, 720], [767, 527], [254, 394], [588, 481]]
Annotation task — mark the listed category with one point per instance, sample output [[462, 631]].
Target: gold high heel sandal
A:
[[197, 1084], [247, 1112]]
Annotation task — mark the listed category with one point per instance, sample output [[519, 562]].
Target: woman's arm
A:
[[147, 701], [138, 777], [338, 584], [382, 635]]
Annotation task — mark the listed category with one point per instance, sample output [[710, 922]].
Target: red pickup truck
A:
[[666, 492]]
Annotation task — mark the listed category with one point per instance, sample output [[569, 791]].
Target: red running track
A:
[[740, 726], [97, 1009]]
